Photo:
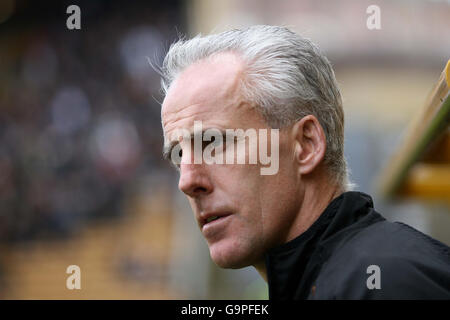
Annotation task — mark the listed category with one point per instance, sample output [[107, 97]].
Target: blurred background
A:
[[82, 180]]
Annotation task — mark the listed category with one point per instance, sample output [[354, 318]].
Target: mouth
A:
[[212, 218]]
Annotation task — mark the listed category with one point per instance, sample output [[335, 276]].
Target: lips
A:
[[211, 217]]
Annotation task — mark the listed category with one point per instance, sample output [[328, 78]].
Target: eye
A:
[[177, 163], [175, 155]]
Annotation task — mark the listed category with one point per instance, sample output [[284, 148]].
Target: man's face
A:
[[255, 211]]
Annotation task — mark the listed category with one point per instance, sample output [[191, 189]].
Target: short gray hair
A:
[[285, 75]]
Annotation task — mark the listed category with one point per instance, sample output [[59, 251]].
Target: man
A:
[[301, 228]]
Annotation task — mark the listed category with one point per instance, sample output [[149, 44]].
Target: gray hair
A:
[[285, 75]]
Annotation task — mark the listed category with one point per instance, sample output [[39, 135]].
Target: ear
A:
[[310, 143]]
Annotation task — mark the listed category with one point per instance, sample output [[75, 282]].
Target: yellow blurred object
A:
[[447, 72], [429, 181], [421, 166]]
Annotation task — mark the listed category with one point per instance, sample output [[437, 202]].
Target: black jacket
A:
[[330, 260]]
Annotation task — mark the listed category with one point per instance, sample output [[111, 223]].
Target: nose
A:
[[194, 180]]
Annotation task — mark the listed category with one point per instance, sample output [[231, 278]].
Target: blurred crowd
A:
[[79, 111]]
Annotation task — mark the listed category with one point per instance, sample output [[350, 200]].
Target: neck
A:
[[316, 197]]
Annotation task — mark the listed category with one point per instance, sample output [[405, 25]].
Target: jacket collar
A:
[[293, 266]]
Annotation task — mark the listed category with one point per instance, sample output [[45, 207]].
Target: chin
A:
[[227, 255]]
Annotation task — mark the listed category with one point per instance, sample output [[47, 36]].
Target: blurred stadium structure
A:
[[82, 180]]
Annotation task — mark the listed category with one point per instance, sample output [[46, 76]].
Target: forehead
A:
[[208, 91]]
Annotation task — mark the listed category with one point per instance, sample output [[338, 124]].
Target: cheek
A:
[[263, 203], [240, 185], [280, 201]]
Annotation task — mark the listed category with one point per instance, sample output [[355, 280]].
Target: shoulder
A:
[[397, 239], [387, 261]]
